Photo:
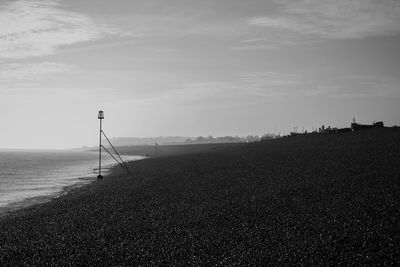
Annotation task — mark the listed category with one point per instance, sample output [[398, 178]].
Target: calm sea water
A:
[[29, 177]]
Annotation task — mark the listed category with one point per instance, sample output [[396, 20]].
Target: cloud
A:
[[340, 19], [248, 89], [257, 87], [357, 86], [33, 28], [198, 92], [27, 75], [273, 84], [251, 85], [162, 49]]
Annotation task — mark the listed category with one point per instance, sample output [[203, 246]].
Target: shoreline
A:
[[33, 201], [79, 182], [318, 200]]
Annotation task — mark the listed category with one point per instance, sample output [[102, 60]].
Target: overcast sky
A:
[[190, 68]]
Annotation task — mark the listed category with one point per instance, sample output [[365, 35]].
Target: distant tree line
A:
[[176, 140], [230, 139]]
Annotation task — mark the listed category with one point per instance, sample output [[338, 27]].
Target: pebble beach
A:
[[311, 199]]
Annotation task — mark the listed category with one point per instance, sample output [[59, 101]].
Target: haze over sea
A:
[[30, 177]]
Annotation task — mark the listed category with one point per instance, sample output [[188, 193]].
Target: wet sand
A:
[[315, 199]]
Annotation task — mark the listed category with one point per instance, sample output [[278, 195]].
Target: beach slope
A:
[[310, 199]]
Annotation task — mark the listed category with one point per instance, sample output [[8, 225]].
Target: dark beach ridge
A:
[[310, 199]]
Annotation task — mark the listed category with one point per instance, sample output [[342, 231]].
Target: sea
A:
[[31, 177]]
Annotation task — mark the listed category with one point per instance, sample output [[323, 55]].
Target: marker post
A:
[[100, 117]]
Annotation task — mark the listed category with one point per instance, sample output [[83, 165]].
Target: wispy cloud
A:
[[197, 92], [357, 86], [27, 77], [162, 49], [32, 28], [254, 87], [325, 19], [248, 89], [31, 71], [272, 84]]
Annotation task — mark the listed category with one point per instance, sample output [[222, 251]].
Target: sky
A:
[[191, 68]]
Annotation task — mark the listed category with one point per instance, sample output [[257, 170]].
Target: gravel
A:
[[307, 200]]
